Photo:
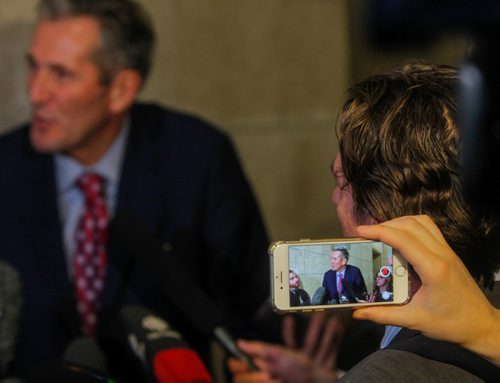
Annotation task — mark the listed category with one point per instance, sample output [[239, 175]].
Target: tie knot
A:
[[91, 184]]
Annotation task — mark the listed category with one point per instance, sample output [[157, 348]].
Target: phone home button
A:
[[400, 271]]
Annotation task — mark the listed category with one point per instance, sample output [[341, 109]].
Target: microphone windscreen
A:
[[349, 288], [161, 347], [180, 365], [148, 334], [10, 313], [319, 296], [85, 352]]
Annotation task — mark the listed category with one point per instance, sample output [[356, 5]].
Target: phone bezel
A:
[[280, 299]]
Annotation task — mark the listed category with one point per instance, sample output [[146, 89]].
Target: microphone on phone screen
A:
[[130, 234], [161, 348], [318, 296]]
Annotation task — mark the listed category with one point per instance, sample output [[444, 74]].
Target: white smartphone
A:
[[310, 275]]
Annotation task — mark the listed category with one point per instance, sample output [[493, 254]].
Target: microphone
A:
[[158, 345], [130, 234], [82, 362], [319, 296], [353, 293], [84, 351], [10, 312]]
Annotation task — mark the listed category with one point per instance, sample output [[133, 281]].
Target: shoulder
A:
[[15, 147], [353, 269], [150, 117], [398, 366], [329, 274], [15, 138], [160, 130]]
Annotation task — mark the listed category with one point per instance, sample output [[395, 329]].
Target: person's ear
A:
[[124, 89], [368, 219]]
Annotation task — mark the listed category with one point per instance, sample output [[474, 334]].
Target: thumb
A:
[[397, 316]]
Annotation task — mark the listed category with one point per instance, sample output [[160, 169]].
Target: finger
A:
[[419, 225], [263, 354], [326, 356], [288, 328], [236, 366], [410, 245], [253, 348], [253, 377], [313, 332]]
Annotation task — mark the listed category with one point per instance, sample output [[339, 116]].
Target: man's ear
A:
[[368, 219], [124, 89]]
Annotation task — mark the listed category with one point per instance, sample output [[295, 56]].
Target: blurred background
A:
[[271, 73]]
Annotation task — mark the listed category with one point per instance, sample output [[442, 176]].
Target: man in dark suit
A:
[[181, 176], [343, 283]]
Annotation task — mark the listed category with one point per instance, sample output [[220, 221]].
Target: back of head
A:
[[399, 147], [127, 34]]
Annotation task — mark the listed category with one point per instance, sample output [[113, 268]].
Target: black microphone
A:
[[83, 362], [129, 233], [161, 348], [84, 351], [318, 297], [10, 313]]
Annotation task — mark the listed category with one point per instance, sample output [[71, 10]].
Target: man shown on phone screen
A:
[[343, 283]]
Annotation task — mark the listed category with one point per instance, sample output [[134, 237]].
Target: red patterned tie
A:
[[340, 288], [90, 257]]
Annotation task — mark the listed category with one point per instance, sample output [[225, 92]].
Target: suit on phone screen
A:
[[353, 284]]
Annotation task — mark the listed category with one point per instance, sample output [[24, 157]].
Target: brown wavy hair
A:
[[399, 148]]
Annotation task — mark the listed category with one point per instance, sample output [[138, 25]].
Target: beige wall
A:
[[269, 72]]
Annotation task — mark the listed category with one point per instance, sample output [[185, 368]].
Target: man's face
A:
[[344, 201], [70, 105], [342, 198], [294, 281], [337, 261]]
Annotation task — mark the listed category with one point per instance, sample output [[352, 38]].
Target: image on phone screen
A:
[[331, 274]]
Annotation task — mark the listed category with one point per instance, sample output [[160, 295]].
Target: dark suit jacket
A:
[[353, 283], [412, 357], [183, 178]]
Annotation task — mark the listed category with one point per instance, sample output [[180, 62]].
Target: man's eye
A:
[[32, 65], [62, 73]]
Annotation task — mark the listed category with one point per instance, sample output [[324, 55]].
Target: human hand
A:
[[322, 339], [277, 364], [449, 304]]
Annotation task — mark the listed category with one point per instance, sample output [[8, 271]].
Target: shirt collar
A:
[[68, 170]]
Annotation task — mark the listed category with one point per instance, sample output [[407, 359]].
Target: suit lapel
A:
[[139, 192], [42, 226]]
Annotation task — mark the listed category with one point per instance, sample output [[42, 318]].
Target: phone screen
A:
[[336, 273]]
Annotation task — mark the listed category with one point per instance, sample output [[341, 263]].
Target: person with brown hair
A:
[[399, 155], [298, 296]]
